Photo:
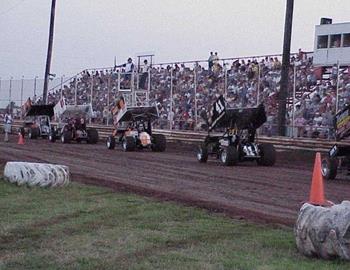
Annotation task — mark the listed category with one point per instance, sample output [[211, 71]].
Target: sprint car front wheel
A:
[[66, 136], [329, 167], [128, 144], [229, 156], [52, 136], [33, 133], [267, 154], [202, 154], [110, 142]]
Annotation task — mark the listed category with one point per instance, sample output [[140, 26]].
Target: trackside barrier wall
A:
[[197, 137]]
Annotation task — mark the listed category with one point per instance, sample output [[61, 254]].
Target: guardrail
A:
[[308, 144]]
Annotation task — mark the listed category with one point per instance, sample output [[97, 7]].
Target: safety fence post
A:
[[171, 114], [22, 81], [108, 91], [258, 86], [10, 95], [75, 90], [293, 102], [337, 89], [195, 97]]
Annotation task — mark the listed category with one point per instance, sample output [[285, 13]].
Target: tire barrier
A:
[[324, 232], [36, 174]]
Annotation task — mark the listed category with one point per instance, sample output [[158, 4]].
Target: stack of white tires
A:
[[36, 174]]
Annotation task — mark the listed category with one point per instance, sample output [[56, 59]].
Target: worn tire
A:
[[159, 143], [202, 154], [267, 153], [128, 144], [329, 167], [33, 133], [110, 142], [229, 156], [66, 136], [92, 135]]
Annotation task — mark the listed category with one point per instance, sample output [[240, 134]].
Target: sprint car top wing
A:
[[76, 110], [137, 114], [38, 110], [246, 118], [342, 123]]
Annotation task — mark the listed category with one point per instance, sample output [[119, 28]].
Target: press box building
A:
[[332, 44]]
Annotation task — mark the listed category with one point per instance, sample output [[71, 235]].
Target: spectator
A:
[[210, 61], [144, 74], [7, 125], [216, 59]]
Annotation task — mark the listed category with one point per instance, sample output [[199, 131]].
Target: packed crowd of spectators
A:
[[193, 88]]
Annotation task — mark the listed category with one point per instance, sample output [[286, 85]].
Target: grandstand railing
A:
[[183, 90]]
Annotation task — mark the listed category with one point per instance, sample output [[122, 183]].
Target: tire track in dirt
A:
[[262, 194]]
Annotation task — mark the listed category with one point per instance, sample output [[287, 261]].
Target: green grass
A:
[[85, 227]]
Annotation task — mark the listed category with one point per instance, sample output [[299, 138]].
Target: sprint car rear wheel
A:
[[33, 133], [92, 135], [110, 142], [159, 143], [128, 144], [202, 154], [229, 156], [329, 167], [66, 136], [267, 154], [52, 136]]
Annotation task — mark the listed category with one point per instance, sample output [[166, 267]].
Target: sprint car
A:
[[337, 160], [133, 129], [232, 136], [37, 121], [72, 125]]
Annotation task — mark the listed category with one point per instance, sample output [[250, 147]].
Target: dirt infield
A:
[[261, 194]]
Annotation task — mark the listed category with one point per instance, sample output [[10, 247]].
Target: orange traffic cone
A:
[[317, 190], [20, 138]]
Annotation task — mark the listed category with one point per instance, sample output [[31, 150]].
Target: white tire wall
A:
[[324, 231], [36, 174]]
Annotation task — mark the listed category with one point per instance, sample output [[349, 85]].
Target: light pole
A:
[[282, 95], [22, 81], [49, 51], [62, 86], [10, 95], [34, 97]]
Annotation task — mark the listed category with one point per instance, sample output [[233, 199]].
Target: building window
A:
[[322, 42], [335, 41], [346, 40]]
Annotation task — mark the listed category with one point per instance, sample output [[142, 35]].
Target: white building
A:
[[332, 43]]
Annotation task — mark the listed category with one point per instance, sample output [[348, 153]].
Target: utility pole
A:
[[49, 51], [282, 95]]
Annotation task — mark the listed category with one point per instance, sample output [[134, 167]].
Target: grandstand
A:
[[182, 91]]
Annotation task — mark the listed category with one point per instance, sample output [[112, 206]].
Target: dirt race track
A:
[[261, 194]]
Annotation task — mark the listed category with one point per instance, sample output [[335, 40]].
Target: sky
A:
[[89, 34]]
